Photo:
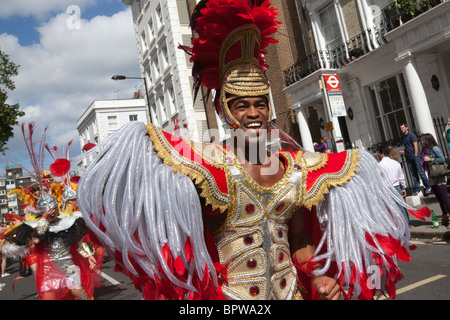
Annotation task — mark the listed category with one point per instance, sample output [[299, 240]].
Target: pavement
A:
[[424, 229]]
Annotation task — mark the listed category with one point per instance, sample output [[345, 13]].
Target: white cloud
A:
[[38, 9], [60, 76]]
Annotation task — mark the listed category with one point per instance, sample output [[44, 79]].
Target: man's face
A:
[[448, 121], [252, 113], [404, 129]]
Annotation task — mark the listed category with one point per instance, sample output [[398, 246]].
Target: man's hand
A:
[[327, 288]]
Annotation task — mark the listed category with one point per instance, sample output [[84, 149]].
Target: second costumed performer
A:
[[66, 266]]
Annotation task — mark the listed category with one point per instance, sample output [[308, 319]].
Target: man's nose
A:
[[252, 112]]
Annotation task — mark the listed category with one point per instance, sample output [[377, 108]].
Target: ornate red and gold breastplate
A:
[[252, 242]]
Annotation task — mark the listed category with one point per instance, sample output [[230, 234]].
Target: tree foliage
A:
[[8, 113]]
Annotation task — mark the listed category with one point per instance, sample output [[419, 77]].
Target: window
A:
[[2, 192], [154, 114], [159, 17], [148, 75], [151, 32], [330, 28], [172, 101], [376, 7], [133, 117], [164, 55], [2, 183], [112, 123], [162, 110], [391, 108], [143, 42], [155, 67]]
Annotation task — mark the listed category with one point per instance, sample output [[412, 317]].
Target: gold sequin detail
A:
[[322, 185]]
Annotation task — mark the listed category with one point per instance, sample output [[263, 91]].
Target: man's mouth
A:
[[253, 125]]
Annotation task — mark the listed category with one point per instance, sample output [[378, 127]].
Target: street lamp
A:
[[121, 77]]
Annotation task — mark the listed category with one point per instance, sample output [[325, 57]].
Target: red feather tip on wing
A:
[[421, 213], [60, 167]]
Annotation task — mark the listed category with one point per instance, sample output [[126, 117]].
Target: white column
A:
[[418, 99], [305, 133]]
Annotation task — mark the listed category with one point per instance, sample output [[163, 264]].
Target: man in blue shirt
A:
[[411, 153]]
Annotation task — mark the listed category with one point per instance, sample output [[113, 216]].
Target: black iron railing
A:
[[335, 58]]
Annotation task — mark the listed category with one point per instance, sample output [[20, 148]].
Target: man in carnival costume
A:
[[65, 264], [187, 220]]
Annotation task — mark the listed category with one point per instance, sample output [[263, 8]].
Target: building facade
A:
[[391, 63], [161, 26], [391, 59], [15, 178], [103, 117]]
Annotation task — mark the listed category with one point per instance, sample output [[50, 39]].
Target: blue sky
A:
[[66, 61], [24, 26]]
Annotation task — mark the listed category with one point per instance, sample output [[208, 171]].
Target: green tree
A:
[[8, 113]]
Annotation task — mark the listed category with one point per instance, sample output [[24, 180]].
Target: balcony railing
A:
[[335, 58], [393, 15]]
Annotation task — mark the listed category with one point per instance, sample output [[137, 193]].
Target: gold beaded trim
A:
[[200, 175], [276, 186], [323, 184]]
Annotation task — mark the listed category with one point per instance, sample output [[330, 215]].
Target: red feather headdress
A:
[[232, 38]]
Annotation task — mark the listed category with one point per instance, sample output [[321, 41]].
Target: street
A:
[[426, 277], [116, 286]]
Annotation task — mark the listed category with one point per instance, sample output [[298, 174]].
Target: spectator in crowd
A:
[[432, 154], [412, 156], [322, 147], [394, 174]]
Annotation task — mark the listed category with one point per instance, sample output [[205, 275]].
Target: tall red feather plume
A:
[[36, 156]]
